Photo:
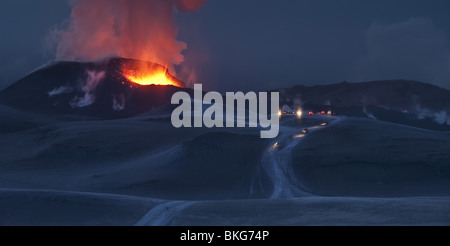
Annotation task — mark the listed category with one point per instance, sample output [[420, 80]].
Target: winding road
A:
[[276, 162]]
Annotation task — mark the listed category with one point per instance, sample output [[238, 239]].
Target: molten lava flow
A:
[[149, 77], [149, 74]]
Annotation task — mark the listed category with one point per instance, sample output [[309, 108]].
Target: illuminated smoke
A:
[[137, 29]]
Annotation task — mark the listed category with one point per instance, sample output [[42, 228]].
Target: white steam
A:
[[368, 114], [119, 103], [441, 117], [92, 81], [60, 90]]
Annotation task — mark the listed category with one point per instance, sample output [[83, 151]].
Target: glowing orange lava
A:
[[149, 74]]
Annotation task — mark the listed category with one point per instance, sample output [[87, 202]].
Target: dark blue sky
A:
[[262, 44]]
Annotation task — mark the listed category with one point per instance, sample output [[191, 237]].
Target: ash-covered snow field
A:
[[70, 170], [121, 122], [83, 145]]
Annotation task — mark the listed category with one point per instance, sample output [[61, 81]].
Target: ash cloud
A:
[[138, 29]]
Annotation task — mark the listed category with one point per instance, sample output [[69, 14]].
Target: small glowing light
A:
[[279, 113], [329, 112], [299, 113], [275, 145]]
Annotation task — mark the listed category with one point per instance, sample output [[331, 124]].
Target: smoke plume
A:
[[137, 29]]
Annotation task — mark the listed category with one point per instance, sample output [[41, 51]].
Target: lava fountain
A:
[[147, 73]]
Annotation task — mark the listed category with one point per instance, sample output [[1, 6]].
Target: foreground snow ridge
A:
[[163, 214]]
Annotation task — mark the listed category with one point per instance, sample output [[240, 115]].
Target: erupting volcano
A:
[[115, 58], [143, 30], [110, 88]]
